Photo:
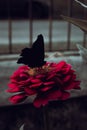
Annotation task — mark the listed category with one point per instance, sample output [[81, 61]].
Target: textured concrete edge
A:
[[8, 57]]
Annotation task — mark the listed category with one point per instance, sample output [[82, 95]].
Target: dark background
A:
[[20, 9]]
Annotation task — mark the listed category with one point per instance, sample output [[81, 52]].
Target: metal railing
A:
[[70, 9]]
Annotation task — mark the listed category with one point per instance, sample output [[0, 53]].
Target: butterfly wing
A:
[[33, 57], [25, 54], [38, 51]]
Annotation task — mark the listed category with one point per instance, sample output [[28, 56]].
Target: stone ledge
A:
[[47, 54]]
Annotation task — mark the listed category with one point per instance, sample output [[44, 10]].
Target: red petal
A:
[[40, 101], [65, 95], [77, 85], [23, 76], [16, 89], [11, 85], [67, 78], [19, 71], [17, 98], [53, 95], [40, 76], [58, 81], [35, 85], [72, 85], [29, 91], [49, 83], [50, 76], [35, 80], [66, 69], [60, 65], [46, 88]]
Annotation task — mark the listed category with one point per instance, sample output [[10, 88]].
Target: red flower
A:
[[50, 82]]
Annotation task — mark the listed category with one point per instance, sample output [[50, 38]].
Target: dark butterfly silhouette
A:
[[34, 56]]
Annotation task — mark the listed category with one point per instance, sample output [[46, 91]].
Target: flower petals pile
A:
[[48, 86]]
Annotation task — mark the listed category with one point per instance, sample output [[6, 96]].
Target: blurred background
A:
[[22, 20]]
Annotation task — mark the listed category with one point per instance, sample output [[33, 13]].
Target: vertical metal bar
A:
[[50, 24], [85, 17], [10, 35], [30, 22], [9, 27], [70, 5]]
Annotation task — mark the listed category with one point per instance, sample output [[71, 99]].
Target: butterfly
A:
[[34, 56]]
